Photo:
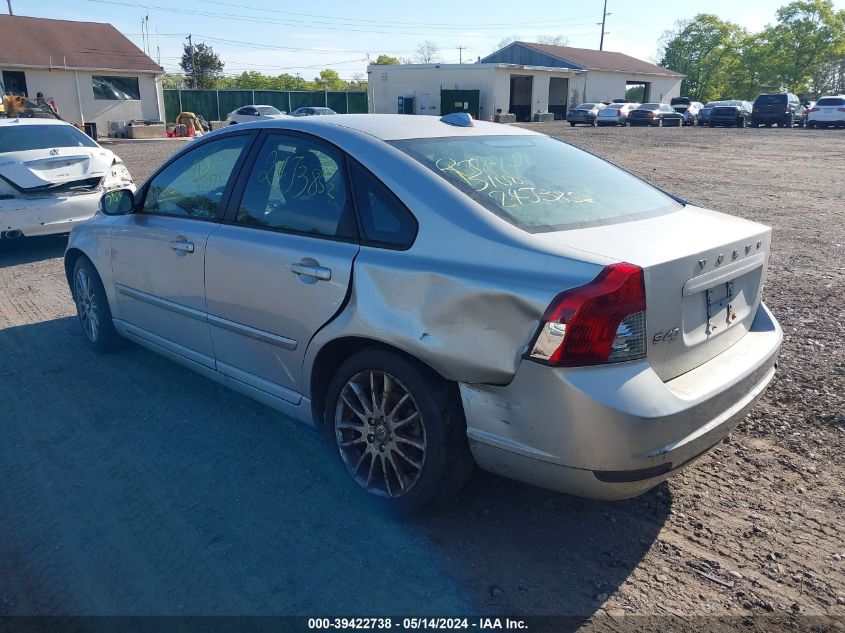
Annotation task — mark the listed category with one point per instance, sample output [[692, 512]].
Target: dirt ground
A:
[[129, 485]]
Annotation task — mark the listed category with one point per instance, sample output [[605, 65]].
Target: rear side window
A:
[[831, 101], [297, 185], [385, 221], [538, 183]]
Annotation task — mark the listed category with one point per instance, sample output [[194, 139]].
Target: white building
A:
[[523, 78], [89, 70]]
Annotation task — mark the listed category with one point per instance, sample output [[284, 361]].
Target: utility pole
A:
[[193, 67], [461, 54], [603, 20], [9, 3]]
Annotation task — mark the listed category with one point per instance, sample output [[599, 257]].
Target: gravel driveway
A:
[[129, 485]]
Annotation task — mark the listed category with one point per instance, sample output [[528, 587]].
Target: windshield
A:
[[538, 183], [268, 110], [19, 138]]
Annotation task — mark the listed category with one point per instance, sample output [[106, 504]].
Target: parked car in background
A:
[[704, 113], [783, 109], [250, 113], [657, 114], [358, 273], [690, 109], [615, 114], [827, 112], [312, 111], [585, 113], [730, 113], [52, 177]]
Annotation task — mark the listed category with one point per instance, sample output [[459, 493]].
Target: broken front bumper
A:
[[615, 431]]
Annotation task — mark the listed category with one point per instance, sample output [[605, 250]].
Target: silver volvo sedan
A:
[[432, 293]]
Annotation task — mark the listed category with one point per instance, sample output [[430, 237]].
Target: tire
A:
[[572, 124], [811, 124], [769, 124], [92, 308], [786, 123], [233, 122], [741, 122], [429, 476], [801, 122], [711, 125]]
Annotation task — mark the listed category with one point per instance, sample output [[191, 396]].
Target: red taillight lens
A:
[[816, 109], [786, 108], [600, 322], [837, 109]]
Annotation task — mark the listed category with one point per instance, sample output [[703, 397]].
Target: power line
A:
[[302, 24]]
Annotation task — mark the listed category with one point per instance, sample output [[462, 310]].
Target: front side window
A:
[[538, 183], [20, 138], [116, 88], [193, 184], [297, 185]]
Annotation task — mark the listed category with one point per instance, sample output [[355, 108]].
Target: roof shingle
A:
[[57, 43]]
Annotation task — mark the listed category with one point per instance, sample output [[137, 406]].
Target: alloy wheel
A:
[[380, 434], [86, 304]]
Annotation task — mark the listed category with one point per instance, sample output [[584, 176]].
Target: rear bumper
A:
[[615, 431], [47, 215], [724, 120], [770, 118], [577, 118]]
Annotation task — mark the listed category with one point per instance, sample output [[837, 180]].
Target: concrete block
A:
[[543, 116], [505, 118], [146, 131]]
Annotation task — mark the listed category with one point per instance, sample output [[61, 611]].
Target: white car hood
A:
[[43, 168]]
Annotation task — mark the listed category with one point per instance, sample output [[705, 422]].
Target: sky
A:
[[282, 37]]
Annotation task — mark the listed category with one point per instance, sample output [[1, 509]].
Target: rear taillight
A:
[[600, 322], [631, 113], [839, 110], [816, 109], [651, 114]]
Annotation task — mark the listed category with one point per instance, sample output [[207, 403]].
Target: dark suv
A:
[[783, 108]]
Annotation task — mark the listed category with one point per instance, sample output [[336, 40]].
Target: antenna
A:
[[603, 20]]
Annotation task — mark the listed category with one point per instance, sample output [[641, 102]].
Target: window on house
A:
[[116, 88]]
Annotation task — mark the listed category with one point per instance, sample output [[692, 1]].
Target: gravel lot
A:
[[133, 486]]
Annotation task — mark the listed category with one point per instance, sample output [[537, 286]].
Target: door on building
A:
[[460, 101], [425, 104], [558, 89], [520, 103], [15, 82]]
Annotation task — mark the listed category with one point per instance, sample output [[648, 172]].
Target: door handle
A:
[[312, 270], [182, 245]]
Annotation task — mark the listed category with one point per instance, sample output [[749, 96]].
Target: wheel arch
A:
[[72, 255], [335, 352]]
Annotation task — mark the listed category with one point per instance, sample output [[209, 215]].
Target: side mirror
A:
[[117, 202]]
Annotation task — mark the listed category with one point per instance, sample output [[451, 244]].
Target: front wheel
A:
[[572, 124], [92, 308], [398, 430]]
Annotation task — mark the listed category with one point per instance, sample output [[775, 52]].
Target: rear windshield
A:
[[831, 101], [767, 99], [267, 110], [538, 183], [19, 138], [586, 106], [612, 106], [680, 101], [649, 106]]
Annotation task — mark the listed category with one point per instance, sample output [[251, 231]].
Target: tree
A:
[[386, 60], [703, 49], [203, 66], [330, 80], [554, 40], [359, 81], [427, 53], [809, 35], [173, 80], [509, 39]]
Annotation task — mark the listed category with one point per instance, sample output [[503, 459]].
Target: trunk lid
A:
[[41, 169], [704, 273]]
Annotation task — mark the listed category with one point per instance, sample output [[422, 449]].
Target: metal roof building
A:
[[523, 78]]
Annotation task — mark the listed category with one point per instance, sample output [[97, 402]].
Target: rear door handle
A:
[[182, 245], [312, 270]]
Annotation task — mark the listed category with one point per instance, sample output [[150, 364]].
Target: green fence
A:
[[214, 105]]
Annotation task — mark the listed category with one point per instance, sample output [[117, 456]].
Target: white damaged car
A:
[[52, 177]]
